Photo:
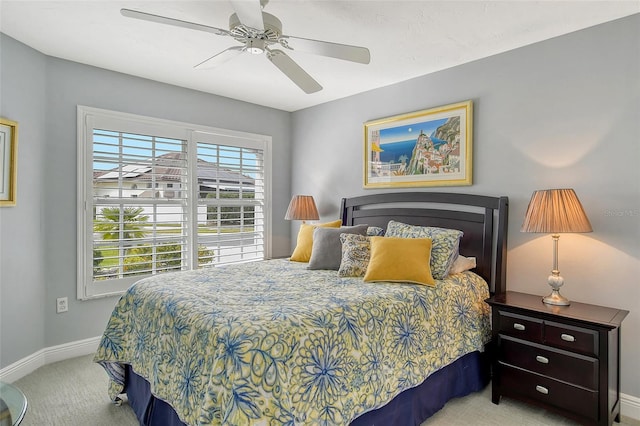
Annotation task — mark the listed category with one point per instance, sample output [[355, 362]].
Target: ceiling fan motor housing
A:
[[256, 40]]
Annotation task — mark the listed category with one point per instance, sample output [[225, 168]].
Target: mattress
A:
[[275, 343]]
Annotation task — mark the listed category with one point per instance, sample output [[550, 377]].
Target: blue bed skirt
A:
[[413, 406]]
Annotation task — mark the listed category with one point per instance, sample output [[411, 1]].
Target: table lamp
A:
[[555, 211], [302, 207]]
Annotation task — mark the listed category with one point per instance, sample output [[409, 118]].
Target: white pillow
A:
[[462, 264]]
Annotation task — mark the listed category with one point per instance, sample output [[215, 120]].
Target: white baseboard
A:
[[629, 405], [630, 408], [45, 356]]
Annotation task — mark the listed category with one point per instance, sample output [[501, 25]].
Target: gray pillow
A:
[[326, 252]]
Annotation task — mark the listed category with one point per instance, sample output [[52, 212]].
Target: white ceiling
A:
[[406, 39]]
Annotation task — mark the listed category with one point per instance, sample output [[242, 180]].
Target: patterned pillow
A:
[[375, 231], [356, 252], [445, 244]]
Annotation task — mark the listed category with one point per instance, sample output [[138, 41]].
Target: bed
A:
[[274, 343]]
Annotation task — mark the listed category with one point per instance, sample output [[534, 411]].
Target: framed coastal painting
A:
[[432, 147], [8, 162]]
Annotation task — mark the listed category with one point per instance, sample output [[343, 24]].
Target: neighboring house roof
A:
[[128, 171], [168, 168]]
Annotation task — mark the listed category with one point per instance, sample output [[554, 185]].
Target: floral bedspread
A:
[[273, 343]]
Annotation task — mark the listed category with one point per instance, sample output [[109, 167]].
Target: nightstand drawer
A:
[[574, 399], [575, 369], [520, 326], [574, 339]]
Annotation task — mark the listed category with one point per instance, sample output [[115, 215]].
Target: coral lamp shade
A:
[[555, 211], [302, 207]]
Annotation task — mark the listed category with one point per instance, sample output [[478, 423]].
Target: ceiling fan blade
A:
[[129, 13], [249, 12], [326, 48], [220, 58], [293, 71]]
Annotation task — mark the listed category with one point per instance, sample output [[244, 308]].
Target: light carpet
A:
[[74, 392]]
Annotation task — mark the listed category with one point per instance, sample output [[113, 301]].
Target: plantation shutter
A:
[[231, 197], [140, 199]]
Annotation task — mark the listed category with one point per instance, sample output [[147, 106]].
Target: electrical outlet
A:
[[62, 305]]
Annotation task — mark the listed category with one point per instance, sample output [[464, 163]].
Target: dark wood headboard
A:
[[483, 220]]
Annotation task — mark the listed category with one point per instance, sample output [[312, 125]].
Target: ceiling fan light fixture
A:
[[255, 46]]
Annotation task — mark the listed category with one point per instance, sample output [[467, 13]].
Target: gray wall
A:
[[22, 242], [38, 262], [560, 113]]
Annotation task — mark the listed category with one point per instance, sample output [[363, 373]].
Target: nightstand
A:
[[565, 358]]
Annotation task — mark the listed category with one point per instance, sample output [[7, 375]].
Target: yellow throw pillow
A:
[[400, 260], [302, 252]]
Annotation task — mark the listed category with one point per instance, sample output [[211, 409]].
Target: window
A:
[[219, 213]]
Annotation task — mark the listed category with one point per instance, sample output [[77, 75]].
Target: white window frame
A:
[[89, 118]]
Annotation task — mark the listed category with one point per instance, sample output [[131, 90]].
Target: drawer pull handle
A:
[[542, 359], [542, 389], [518, 326], [567, 337]]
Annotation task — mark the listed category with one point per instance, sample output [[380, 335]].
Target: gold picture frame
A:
[[8, 161], [432, 147]]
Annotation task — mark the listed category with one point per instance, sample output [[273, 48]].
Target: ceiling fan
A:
[[258, 32]]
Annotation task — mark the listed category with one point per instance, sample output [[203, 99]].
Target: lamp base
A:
[[555, 298]]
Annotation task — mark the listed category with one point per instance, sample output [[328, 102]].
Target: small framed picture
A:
[[8, 161]]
